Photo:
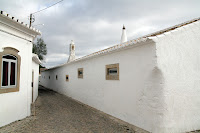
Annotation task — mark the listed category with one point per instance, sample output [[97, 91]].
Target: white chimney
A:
[[71, 51], [124, 37]]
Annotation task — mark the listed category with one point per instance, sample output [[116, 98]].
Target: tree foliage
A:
[[40, 48]]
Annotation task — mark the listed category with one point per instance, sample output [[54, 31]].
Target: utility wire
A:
[[47, 7], [32, 19]]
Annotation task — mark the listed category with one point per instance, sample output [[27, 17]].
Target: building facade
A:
[[16, 68], [152, 82], [35, 76]]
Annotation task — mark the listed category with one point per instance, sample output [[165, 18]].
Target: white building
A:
[[35, 76], [152, 82], [16, 67]]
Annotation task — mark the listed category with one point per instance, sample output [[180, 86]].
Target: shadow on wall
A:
[[151, 101]]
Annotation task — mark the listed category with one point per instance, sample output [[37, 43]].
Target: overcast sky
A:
[[97, 24]]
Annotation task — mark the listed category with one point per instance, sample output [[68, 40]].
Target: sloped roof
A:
[[132, 42], [36, 59], [17, 21]]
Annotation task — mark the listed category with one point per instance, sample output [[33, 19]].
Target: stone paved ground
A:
[[56, 113]]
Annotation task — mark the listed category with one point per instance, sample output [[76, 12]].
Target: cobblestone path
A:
[[56, 113]]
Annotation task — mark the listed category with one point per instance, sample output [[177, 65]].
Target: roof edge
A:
[[36, 59], [109, 50], [133, 42], [17, 21]]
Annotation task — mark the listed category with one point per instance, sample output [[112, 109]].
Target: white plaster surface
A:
[[35, 69], [16, 105], [159, 86], [132, 98], [178, 56]]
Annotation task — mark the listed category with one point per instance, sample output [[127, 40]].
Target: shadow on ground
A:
[[56, 113]]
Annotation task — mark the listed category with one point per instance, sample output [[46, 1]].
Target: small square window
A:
[[80, 72], [112, 72], [67, 77]]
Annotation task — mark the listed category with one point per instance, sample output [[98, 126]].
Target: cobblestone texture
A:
[[56, 113]]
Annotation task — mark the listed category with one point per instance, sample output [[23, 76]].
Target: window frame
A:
[[12, 52], [9, 71], [80, 75], [67, 77], [112, 76]]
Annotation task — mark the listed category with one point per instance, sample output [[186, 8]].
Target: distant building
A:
[[152, 82], [19, 69]]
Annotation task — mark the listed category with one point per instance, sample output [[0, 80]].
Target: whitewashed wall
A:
[[159, 86], [35, 69], [16, 105], [135, 98], [178, 54]]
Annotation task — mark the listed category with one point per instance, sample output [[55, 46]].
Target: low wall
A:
[[135, 98]]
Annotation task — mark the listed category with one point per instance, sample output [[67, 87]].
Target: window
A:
[[80, 72], [49, 77], [112, 72], [10, 70], [72, 47], [67, 77], [56, 77]]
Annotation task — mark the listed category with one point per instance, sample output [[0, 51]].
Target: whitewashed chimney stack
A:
[[124, 37], [71, 51]]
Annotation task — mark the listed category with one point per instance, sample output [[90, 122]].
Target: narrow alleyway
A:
[[56, 113]]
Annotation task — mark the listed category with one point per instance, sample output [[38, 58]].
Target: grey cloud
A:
[[96, 24]]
